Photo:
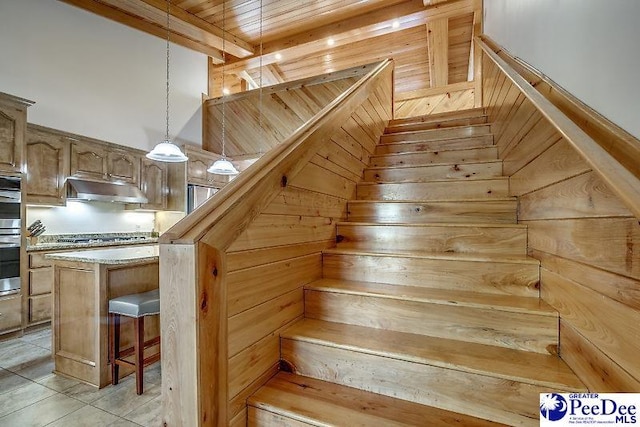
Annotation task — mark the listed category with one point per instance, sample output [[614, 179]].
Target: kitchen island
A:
[[84, 282]]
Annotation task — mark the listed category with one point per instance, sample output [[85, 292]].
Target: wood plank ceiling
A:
[[430, 40]]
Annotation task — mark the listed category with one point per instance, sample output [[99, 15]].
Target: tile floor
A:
[[32, 396]]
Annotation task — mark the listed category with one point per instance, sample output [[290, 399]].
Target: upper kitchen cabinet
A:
[[47, 166], [197, 165], [123, 165], [13, 122], [153, 184], [98, 161]]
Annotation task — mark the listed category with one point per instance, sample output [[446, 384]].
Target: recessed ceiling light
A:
[[278, 57], [396, 24], [331, 42], [226, 91]]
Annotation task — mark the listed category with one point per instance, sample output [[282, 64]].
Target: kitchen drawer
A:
[[38, 260], [40, 281], [10, 313], [39, 308]]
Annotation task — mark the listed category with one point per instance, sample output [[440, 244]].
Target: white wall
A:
[[90, 217], [95, 77], [589, 47]]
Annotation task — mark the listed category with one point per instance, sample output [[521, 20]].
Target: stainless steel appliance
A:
[[10, 222], [197, 195]]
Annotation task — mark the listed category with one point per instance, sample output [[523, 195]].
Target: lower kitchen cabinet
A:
[[39, 290], [39, 309], [10, 313]]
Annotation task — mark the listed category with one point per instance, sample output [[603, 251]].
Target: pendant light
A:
[[166, 151], [223, 166]]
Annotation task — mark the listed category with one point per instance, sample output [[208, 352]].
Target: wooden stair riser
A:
[[257, 417], [460, 171], [434, 238], [509, 402], [490, 211], [508, 278], [435, 190], [438, 145], [428, 157], [439, 117], [418, 126], [520, 331], [434, 134]]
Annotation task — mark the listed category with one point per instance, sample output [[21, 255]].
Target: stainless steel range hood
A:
[[103, 191]]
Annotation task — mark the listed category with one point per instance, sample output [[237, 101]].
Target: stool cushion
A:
[[136, 305]]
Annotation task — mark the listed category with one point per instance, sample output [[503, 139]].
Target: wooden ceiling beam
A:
[[271, 75], [188, 30], [409, 14], [438, 44]]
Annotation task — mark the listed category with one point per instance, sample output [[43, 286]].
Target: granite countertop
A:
[[110, 256], [58, 245]]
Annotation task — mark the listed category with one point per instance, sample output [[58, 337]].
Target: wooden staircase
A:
[[429, 311]]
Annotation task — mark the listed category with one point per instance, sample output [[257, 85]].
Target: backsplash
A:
[[90, 217]]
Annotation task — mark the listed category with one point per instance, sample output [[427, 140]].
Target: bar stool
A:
[[135, 306]]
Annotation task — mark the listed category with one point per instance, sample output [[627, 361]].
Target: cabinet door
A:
[[12, 128], [154, 184], [47, 168], [10, 313], [88, 160], [197, 169], [123, 166], [39, 308]]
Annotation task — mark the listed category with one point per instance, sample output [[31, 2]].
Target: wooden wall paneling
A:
[[321, 180], [351, 145], [541, 136], [438, 47], [329, 158], [581, 196], [272, 279], [604, 322], [255, 257], [607, 243], [489, 77], [298, 201], [253, 362], [559, 162], [596, 370], [521, 112], [508, 106], [622, 289], [240, 419], [494, 103], [436, 104], [515, 134], [276, 230], [257, 322]]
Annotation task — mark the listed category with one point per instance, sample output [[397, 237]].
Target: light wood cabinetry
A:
[[40, 285], [197, 165], [47, 166], [13, 121], [10, 313], [102, 162], [153, 183]]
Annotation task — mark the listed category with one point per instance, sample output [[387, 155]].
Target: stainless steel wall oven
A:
[[10, 240]]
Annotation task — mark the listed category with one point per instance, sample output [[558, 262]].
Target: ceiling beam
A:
[[188, 30], [409, 14], [438, 44], [271, 75]]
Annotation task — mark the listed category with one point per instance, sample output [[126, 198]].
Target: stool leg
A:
[[139, 352], [114, 346]]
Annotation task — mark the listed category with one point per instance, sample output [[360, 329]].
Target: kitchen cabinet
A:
[[153, 183], [13, 122], [10, 313], [40, 285], [47, 166], [197, 165], [101, 162]]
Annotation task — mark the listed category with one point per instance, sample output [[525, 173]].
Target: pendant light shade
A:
[[166, 151], [222, 167]]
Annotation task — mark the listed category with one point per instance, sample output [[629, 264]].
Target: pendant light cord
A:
[[224, 60], [167, 130]]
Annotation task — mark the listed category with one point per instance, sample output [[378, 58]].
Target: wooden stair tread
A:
[[544, 370], [429, 165], [468, 130], [447, 143], [404, 153], [495, 199], [439, 224], [321, 403], [443, 124], [470, 257], [434, 118], [511, 303], [496, 178]]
